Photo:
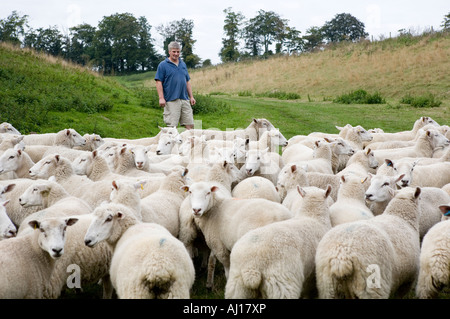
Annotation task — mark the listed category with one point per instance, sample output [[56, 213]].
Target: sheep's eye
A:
[[385, 184], [48, 162], [108, 219], [11, 157]]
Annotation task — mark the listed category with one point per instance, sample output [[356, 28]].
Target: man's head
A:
[[174, 51]]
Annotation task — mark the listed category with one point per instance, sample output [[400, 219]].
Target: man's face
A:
[[174, 54]]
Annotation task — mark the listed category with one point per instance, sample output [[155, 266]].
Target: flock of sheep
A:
[[356, 214]]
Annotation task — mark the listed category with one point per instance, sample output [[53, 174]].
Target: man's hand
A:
[[193, 101], [162, 102]]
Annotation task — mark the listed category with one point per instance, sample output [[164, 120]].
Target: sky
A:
[[381, 17]]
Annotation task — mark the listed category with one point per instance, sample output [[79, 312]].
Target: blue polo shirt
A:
[[173, 79]]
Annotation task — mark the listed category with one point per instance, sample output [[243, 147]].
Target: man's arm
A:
[[159, 89], [189, 90]]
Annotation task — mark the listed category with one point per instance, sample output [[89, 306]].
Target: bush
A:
[[427, 100], [360, 97], [280, 95]]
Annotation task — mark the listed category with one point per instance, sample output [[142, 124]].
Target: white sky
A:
[[380, 17]]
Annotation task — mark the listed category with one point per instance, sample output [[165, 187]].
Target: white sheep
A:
[[350, 204], [7, 228], [424, 147], [256, 187], [27, 262], [434, 272], [8, 128], [381, 192], [432, 175], [93, 142], [145, 141], [372, 258], [259, 163], [361, 163], [148, 262], [127, 193], [404, 135], [168, 144], [94, 193], [277, 260], [321, 161], [17, 161], [52, 142], [224, 220], [162, 207], [253, 131]]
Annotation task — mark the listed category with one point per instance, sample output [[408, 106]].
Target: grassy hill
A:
[[394, 67]]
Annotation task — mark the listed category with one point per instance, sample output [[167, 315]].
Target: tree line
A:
[[122, 43]]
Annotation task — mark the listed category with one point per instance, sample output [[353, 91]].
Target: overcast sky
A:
[[380, 17]]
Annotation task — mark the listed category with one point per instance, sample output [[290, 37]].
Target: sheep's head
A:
[[7, 228], [34, 195], [52, 235], [45, 167], [201, 196]]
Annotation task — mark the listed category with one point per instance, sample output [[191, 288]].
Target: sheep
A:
[[53, 200], [223, 175], [93, 142], [253, 131], [434, 272], [162, 207], [94, 193], [10, 141], [361, 163], [373, 258], [350, 204], [321, 161], [8, 128], [133, 161], [424, 147], [168, 143], [269, 139], [147, 262], [17, 161], [7, 228], [404, 135], [446, 188], [145, 141], [67, 138], [277, 260], [381, 192], [433, 175], [224, 220], [259, 163], [27, 262], [256, 187]]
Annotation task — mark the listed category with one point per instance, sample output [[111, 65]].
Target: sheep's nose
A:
[[158, 152], [87, 242], [57, 251], [196, 211], [369, 196]]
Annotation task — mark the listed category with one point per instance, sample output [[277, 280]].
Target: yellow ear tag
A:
[[142, 186]]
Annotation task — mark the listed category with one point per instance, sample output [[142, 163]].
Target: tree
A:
[[48, 40], [293, 42], [344, 27], [446, 23], [233, 21], [13, 28], [181, 31], [81, 49], [313, 38]]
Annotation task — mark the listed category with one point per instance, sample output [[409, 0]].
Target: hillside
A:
[[42, 93], [394, 67]]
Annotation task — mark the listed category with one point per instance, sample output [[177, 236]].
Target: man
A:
[[174, 89]]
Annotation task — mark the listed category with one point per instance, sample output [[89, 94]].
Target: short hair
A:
[[174, 45]]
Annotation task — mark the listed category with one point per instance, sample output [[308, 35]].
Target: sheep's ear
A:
[[71, 221], [185, 188], [343, 178], [389, 162], [368, 151], [57, 157], [428, 133], [327, 140], [214, 189], [417, 192], [225, 163], [399, 178], [301, 191], [94, 153], [185, 172], [328, 191], [119, 215], [67, 132], [445, 209], [9, 188], [255, 120], [34, 224], [5, 202], [114, 184], [316, 143], [123, 150], [293, 168]]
